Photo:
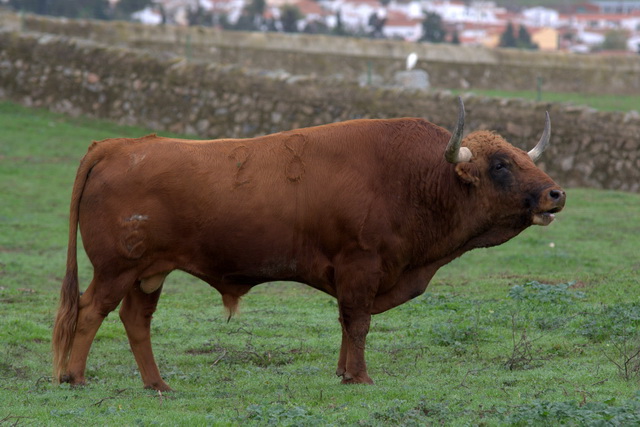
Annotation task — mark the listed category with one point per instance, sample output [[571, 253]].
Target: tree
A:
[[523, 36], [339, 30], [524, 39], [289, 16], [68, 8], [615, 40], [455, 38], [376, 24], [508, 38], [256, 7], [432, 29], [124, 8], [199, 16], [245, 21]]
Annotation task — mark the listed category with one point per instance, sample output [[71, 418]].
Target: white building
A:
[[400, 26], [541, 17], [459, 11]]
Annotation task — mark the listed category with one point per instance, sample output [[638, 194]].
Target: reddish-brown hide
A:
[[365, 210]]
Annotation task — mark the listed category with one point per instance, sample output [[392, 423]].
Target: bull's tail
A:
[[67, 317]]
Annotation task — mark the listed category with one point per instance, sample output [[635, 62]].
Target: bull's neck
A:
[[451, 218]]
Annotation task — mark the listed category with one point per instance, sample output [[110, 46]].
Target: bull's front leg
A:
[[356, 284], [352, 365], [342, 359]]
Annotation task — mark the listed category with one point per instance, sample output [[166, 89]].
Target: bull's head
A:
[[507, 177]]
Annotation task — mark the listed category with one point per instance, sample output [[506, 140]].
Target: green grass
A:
[[530, 332], [598, 102]]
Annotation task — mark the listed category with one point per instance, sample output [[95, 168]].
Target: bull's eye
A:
[[499, 166], [500, 172]]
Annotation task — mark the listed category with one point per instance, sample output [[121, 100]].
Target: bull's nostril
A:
[[555, 194]]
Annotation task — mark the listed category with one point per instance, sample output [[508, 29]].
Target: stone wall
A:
[[451, 67], [73, 76]]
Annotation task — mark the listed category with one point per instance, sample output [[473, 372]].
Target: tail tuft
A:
[[231, 303], [65, 325]]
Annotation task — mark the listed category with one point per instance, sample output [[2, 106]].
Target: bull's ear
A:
[[468, 172]]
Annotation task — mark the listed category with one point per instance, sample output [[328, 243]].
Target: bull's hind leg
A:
[[101, 298], [136, 312]]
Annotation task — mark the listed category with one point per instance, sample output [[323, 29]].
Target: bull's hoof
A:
[[71, 379], [159, 386], [357, 379]]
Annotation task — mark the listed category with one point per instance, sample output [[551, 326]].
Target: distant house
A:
[[413, 9], [633, 44], [618, 6], [576, 26], [355, 13], [313, 13], [401, 26], [546, 38], [601, 21], [541, 17], [177, 11], [461, 11]]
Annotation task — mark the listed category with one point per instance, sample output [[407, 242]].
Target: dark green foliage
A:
[[522, 40], [290, 15], [615, 40], [508, 38], [127, 7], [614, 322], [539, 292], [376, 25], [252, 17], [608, 413], [455, 38], [432, 28], [276, 414], [339, 29], [98, 9]]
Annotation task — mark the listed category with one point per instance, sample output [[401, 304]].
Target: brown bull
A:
[[365, 210]]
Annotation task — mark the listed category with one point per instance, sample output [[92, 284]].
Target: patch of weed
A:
[[277, 414], [535, 291], [616, 322], [608, 413]]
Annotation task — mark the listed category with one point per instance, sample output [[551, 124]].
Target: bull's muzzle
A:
[[551, 202]]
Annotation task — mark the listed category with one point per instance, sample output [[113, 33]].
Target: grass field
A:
[[542, 330]]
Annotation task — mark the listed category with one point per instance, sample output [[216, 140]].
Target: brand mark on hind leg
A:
[[133, 236]]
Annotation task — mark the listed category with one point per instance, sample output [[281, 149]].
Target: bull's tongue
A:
[[543, 218]]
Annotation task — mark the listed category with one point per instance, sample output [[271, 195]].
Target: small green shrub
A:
[[542, 293], [606, 413], [616, 322], [277, 414]]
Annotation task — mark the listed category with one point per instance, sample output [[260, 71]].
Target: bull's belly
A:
[[221, 255]]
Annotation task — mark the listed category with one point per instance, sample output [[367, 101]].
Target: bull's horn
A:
[[454, 153], [536, 152]]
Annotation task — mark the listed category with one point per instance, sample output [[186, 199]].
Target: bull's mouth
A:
[[545, 218]]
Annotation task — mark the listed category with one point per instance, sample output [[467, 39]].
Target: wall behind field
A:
[[74, 76], [449, 66]]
